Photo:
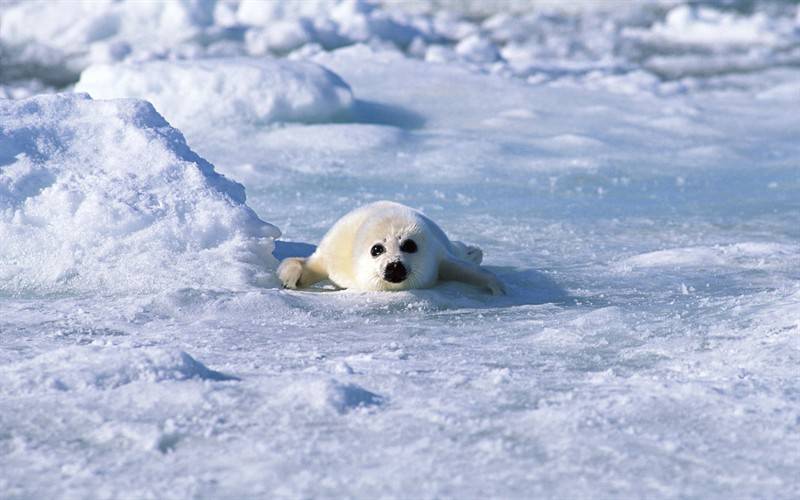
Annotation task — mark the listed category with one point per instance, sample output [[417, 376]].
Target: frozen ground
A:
[[632, 174]]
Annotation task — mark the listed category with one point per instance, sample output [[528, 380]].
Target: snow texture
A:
[[630, 170], [225, 93], [106, 195]]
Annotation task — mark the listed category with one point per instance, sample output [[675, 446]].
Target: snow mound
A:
[[106, 195], [231, 93], [331, 394], [80, 368]]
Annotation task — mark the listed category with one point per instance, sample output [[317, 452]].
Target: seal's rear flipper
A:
[[467, 252], [460, 270], [296, 272]]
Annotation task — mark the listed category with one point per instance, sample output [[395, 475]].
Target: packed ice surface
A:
[[105, 195], [644, 222]]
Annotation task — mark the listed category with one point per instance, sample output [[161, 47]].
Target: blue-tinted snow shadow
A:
[[377, 113], [191, 368], [286, 249], [351, 397], [523, 286], [529, 286]]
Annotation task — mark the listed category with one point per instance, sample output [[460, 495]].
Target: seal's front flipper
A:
[[296, 272], [290, 271], [451, 269]]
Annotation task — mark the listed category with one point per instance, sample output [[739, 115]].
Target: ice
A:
[[280, 37], [628, 168], [105, 194], [87, 22], [66, 40], [477, 49], [546, 43], [698, 41], [257, 13], [707, 26]]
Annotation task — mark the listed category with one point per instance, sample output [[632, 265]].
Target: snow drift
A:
[[230, 93], [105, 194]]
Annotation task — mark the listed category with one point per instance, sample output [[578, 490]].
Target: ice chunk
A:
[[280, 37], [690, 25], [52, 42], [260, 13], [477, 49], [87, 21], [105, 194], [230, 93]]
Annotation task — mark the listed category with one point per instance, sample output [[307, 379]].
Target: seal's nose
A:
[[395, 272]]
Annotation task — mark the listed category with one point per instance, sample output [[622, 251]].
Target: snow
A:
[[707, 26], [629, 170], [103, 368], [746, 254], [233, 94], [106, 195]]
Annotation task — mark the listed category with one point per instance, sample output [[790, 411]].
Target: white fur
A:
[[343, 256]]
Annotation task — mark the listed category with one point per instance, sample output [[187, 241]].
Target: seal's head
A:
[[395, 253]]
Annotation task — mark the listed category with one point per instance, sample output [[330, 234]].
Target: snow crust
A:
[[106, 195], [628, 168]]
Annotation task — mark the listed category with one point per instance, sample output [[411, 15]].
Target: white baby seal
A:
[[387, 246]]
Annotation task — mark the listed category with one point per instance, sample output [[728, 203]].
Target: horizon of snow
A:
[[662, 47]]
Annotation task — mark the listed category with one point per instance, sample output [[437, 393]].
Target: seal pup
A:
[[388, 246]]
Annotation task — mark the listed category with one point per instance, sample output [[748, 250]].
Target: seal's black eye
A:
[[376, 250], [408, 246]]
